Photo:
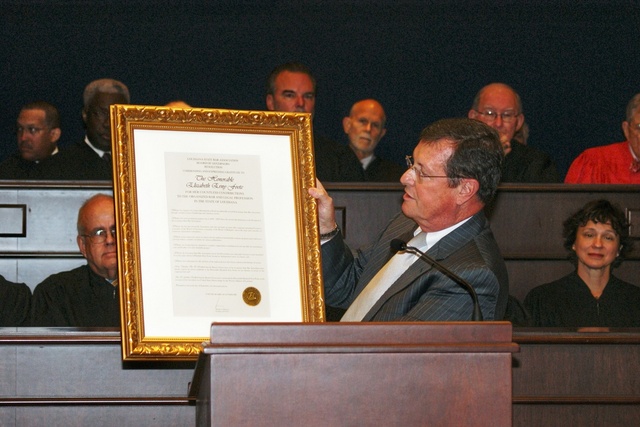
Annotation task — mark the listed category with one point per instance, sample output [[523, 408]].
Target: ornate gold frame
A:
[[125, 121]]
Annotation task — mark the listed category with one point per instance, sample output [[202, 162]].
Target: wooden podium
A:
[[355, 374]]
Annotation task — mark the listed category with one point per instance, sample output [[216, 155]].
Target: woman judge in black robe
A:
[[597, 238]]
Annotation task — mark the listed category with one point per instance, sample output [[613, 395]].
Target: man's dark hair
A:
[[51, 114], [477, 154], [603, 212], [292, 67]]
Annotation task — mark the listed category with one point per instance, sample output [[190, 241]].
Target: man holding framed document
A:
[[453, 173], [215, 224]]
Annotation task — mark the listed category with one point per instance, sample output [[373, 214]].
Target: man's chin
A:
[[26, 154], [405, 208], [110, 259]]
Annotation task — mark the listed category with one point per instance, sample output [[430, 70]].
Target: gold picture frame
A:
[[214, 224]]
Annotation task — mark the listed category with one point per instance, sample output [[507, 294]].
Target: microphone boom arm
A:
[[477, 312]]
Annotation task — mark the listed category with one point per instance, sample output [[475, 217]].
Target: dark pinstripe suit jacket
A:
[[422, 293]]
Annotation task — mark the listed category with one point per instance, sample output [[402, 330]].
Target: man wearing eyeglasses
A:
[[453, 173], [617, 163], [500, 107], [37, 134], [87, 295]]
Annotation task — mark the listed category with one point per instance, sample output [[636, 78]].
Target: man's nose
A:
[[407, 177], [110, 238]]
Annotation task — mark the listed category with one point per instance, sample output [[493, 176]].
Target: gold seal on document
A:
[[251, 296]]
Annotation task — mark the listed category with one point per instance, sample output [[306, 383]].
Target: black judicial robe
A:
[[15, 299], [15, 167], [78, 297], [568, 302]]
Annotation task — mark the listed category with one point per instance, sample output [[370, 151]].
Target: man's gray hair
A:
[[476, 99], [292, 67], [104, 86], [633, 106]]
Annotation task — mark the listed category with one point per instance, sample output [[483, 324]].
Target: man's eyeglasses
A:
[[99, 236], [32, 130], [506, 116], [419, 174]]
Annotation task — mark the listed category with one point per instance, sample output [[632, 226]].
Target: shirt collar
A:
[[367, 161], [98, 151], [632, 153], [435, 236]]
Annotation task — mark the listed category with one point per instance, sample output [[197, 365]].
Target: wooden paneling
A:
[[74, 377], [571, 378], [357, 374], [526, 221], [50, 242], [70, 377]]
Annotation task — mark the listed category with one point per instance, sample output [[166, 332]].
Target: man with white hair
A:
[[499, 106], [87, 295], [365, 126], [617, 163]]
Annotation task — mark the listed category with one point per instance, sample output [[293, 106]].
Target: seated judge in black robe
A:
[[78, 297], [597, 237], [87, 295]]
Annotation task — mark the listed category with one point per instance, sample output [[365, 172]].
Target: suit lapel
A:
[[441, 250], [400, 227], [458, 237]]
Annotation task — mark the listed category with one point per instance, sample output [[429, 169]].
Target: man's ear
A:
[[269, 101], [467, 189], [84, 116], [519, 122], [472, 114], [625, 129], [82, 245], [346, 124], [55, 134]]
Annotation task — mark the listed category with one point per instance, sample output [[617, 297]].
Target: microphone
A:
[[399, 245]]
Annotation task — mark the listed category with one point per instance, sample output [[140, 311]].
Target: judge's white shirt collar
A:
[[98, 151]]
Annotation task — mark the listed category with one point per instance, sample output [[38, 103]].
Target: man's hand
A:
[[326, 212]]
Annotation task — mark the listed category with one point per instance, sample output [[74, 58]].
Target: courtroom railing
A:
[[526, 221]]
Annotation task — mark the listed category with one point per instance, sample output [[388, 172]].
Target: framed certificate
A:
[[215, 224]]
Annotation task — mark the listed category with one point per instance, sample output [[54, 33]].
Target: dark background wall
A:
[[575, 63]]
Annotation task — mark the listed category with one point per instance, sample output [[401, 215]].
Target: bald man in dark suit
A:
[[454, 173]]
